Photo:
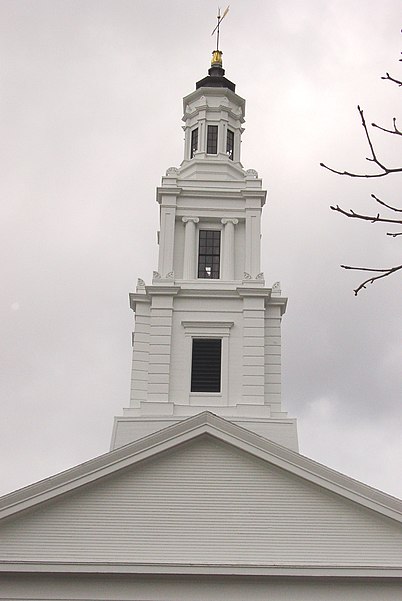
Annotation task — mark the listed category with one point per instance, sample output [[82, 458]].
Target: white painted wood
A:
[[191, 428], [190, 244], [209, 192], [207, 587], [228, 263], [204, 502]]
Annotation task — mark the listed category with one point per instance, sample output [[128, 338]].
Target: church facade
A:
[[203, 494]]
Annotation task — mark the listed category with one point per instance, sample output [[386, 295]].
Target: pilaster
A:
[[272, 367], [253, 241], [140, 360], [253, 348], [160, 340], [167, 230]]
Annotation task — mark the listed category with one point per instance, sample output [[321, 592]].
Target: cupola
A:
[[213, 117]]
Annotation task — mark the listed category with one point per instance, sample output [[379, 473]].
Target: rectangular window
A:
[[194, 142], [230, 144], [206, 365], [212, 139], [209, 251]]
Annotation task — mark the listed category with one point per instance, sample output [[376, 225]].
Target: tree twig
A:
[[385, 205], [373, 159], [388, 77], [373, 218], [394, 131], [383, 273]]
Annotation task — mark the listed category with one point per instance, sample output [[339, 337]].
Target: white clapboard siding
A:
[[203, 502]]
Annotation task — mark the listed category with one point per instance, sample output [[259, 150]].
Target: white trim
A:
[[215, 227], [365, 571], [208, 329]]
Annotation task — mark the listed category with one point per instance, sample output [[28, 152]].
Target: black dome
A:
[[215, 79]]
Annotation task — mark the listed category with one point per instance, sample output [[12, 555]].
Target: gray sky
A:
[[91, 100]]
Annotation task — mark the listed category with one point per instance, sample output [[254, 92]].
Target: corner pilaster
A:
[[161, 314]]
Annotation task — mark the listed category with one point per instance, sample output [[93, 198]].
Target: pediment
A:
[[206, 499]]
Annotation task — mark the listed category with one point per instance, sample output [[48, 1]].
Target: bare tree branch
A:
[[350, 174], [389, 78], [373, 159], [383, 274], [394, 131], [374, 219], [376, 274], [385, 205]]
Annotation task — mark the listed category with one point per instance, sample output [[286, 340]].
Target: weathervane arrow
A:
[[220, 19]]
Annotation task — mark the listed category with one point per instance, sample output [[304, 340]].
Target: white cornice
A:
[[251, 291], [214, 92], [221, 108], [162, 289], [138, 297]]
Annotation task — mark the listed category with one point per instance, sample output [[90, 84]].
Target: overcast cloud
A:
[[91, 101]]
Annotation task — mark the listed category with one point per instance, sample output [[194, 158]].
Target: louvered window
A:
[[209, 251], [194, 142], [206, 365]]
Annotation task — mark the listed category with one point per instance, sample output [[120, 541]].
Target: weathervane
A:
[[220, 19]]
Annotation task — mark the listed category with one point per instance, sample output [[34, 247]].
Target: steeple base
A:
[[131, 427]]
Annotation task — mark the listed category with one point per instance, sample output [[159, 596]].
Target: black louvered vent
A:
[[206, 365]]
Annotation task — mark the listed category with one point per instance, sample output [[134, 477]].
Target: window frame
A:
[[208, 329], [230, 151], [216, 128], [192, 135], [209, 228]]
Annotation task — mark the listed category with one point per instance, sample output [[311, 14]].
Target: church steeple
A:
[[207, 330]]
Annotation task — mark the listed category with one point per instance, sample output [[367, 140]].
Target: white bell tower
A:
[[207, 331]]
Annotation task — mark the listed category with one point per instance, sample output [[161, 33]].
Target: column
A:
[[189, 247], [228, 249]]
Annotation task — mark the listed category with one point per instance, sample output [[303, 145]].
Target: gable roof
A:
[[217, 427], [202, 497]]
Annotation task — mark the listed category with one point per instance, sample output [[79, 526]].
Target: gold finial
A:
[[216, 58], [220, 19]]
